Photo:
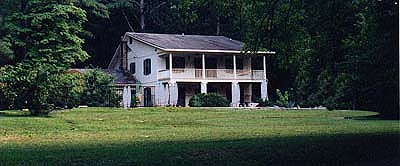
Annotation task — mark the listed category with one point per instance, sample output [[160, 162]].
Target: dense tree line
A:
[[340, 54]]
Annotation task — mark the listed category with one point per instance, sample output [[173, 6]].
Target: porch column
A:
[[129, 96], [264, 90], [265, 68], [170, 66], [173, 93], [203, 64], [235, 94], [126, 97], [264, 83], [234, 66], [203, 87]]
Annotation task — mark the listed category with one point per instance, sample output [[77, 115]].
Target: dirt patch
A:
[[11, 138]]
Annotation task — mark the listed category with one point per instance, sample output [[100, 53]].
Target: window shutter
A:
[[132, 67], [147, 67]]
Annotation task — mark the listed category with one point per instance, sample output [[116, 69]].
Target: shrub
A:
[[208, 100], [196, 100], [135, 100], [25, 87], [4, 98], [98, 89], [67, 90], [283, 99], [265, 103]]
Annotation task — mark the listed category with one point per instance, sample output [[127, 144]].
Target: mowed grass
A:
[[183, 136]]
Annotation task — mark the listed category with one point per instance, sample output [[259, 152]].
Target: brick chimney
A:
[[124, 54]]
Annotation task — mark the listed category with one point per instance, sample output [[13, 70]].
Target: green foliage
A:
[[197, 100], [4, 99], [283, 98], [265, 103], [66, 90], [339, 54], [93, 8], [98, 89], [208, 100], [6, 53], [45, 42]]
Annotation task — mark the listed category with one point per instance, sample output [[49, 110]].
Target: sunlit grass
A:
[[182, 136]]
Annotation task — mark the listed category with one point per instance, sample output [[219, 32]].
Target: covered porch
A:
[[193, 66], [238, 93]]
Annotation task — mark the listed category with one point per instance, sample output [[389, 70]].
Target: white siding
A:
[[140, 52]]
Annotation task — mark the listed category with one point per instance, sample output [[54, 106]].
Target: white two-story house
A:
[[172, 68]]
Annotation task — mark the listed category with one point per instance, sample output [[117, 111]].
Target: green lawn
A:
[[181, 136]]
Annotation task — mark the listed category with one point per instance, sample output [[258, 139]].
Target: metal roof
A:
[[171, 42], [120, 77]]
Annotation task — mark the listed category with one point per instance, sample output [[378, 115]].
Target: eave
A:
[[164, 50]]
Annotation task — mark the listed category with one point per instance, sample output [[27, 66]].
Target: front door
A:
[[181, 96], [147, 97]]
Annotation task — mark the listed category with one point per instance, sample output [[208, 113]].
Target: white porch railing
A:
[[163, 74], [216, 74]]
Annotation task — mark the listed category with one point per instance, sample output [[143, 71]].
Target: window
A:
[[211, 63], [132, 68], [179, 62], [239, 63], [198, 63], [130, 40], [147, 67], [257, 63], [229, 63], [167, 63]]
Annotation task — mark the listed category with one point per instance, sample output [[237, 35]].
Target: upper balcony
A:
[[210, 74], [195, 67]]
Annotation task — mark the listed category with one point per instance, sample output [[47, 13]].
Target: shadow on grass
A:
[[372, 117], [362, 149], [21, 114]]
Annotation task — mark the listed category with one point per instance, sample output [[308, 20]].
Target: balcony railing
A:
[[217, 74]]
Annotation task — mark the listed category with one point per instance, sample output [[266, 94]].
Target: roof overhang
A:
[[124, 84], [217, 51], [143, 41], [164, 50]]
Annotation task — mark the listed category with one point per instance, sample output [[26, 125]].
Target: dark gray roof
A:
[[120, 77], [195, 42]]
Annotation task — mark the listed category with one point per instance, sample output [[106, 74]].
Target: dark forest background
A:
[[341, 54]]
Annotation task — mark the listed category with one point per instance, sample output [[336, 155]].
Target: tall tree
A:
[[341, 54], [142, 10], [43, 35], [369, 78], [212, 17]]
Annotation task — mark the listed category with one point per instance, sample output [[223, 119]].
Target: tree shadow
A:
[[333, 149], [372, 117], [20, 114]]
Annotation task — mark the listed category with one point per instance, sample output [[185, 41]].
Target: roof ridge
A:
[[187, 43], [173, 34]]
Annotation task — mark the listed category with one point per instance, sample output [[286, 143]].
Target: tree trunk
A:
[[218, 25], [142, 25]]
